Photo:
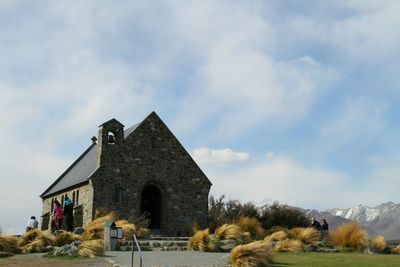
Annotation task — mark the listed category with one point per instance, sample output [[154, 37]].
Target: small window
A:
[[77, 197], [73, 198], [62, 201], [52, 205], [110, 138], [117, 195]]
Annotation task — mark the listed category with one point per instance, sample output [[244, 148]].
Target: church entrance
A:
[[151, 205]]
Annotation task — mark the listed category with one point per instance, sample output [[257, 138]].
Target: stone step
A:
[[154, 245]]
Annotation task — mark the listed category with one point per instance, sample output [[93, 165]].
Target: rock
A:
[[156, 244], [70, 250], [58, 232], [78, 230], [228, 247], [310, 248]]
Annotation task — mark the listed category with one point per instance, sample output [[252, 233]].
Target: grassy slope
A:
[[335, 260]]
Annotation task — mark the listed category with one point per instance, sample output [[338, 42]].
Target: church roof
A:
[[81, 169]]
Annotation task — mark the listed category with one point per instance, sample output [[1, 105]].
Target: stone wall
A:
[[151, 155], [83, 205]]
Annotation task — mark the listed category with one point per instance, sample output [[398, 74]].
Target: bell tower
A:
[[110, 140]]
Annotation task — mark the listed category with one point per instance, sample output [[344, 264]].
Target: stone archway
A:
[[151, 205]]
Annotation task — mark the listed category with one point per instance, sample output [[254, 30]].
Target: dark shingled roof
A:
[[81, 169]]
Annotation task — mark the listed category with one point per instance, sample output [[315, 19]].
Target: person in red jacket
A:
[[57, 215]]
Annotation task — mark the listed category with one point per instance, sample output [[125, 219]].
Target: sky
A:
[[289, 101]]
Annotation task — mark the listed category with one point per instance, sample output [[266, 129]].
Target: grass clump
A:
[[201, 241], [91, 248], [378, 243], [9, 243], [288, 245], [95, 229], [65, 238], [35, 241], [128, 229], [252, 226], [349, 235], [229, 231], [277, 236], [255, 254], [308, 235], [396, 250]]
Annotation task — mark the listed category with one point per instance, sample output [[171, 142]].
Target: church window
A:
[[52, 204], [77, 197], [117, 195], [110, 138], [73, 198], [62, 201]]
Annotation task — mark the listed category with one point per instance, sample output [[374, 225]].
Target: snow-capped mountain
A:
[[383, 219]]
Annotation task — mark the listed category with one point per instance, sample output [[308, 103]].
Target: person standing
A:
[[324, 225], [315, 224], [69, 213], [32, 224], [57, 215]]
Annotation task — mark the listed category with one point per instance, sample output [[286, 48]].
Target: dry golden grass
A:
[[143, 232], [378, 243], [277, 236], [251, 225], [128, 229], [201, 241], [396, 250], [229, 231], [95, 229], [255, 254], [308, 235], [35, 241], [9, 243], [91, 248], [288, 245], [349, 235], [65, 238]]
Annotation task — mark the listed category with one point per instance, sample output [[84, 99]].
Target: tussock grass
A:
[[308, 235], [378, 243], [65, 238], [35, 241], [229, 231], [91, 248], [252, 226], [9, 243], [396, 250], [349, 235], [255, 254], [95, 229], [143, 232], [128, 229], [277, 236], [288, 245], [201, 241]]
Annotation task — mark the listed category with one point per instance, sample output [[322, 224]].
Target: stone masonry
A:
[[142, 169]]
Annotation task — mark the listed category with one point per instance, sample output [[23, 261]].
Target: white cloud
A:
[[218, 156], [283, 178]]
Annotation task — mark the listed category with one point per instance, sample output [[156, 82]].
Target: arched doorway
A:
[[151, 205]]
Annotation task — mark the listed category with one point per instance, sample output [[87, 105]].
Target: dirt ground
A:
[[37, 260]]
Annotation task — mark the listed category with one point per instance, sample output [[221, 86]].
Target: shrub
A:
[[378, 243], [251, 225], [91, 248], [201, 241], [283, 215], [255, 254], [229, 231], [349, 235], [277, 236], [9, 243], [35, 241], [288, 245], [65, 238]]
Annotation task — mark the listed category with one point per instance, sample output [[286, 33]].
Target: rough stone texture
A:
[[150, 155]]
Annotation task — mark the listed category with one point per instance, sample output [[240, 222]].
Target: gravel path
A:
[[171, 258]]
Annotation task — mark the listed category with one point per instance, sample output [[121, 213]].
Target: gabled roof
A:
[[81, 169]]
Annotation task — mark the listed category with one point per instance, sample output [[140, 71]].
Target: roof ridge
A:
[[68, 169]]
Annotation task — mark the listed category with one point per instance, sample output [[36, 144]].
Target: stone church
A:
[[140, 170]]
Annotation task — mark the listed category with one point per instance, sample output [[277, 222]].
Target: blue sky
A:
[[276, 100]]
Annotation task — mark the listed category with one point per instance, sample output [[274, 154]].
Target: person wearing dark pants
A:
[[68, 213]]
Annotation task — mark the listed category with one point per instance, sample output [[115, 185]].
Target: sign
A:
[[119, 233]]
